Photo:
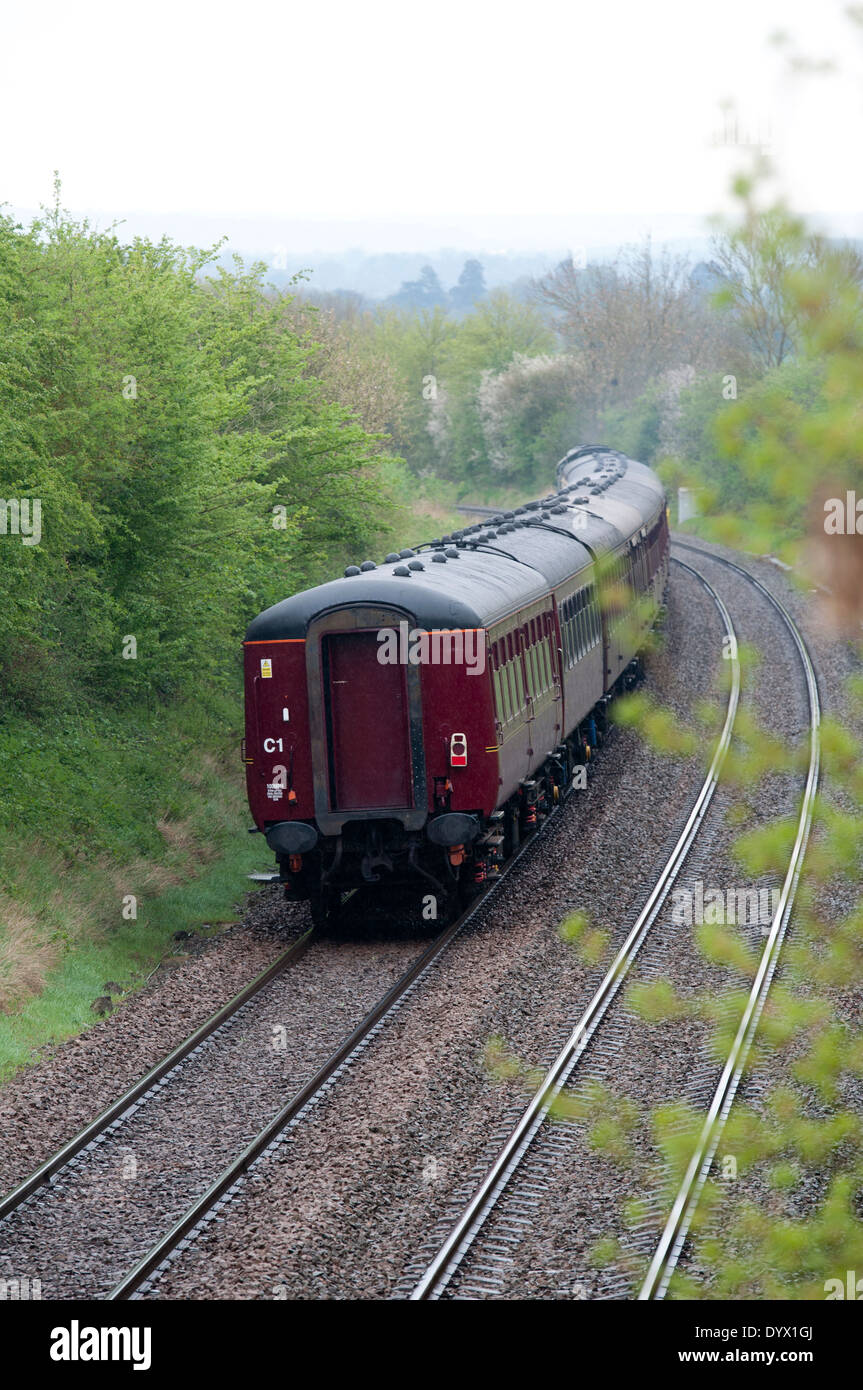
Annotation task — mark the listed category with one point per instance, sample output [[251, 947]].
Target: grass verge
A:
[[117, 831]]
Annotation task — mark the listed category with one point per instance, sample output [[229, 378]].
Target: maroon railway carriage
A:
[[410, 721]]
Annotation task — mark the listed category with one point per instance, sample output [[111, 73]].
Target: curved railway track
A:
[[86, 1142], [677, 1226], [439, 1271]]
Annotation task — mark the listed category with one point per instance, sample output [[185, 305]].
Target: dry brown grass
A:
[[206, 763], [177, 834], [141, 877], [145, 877], [25, 956]]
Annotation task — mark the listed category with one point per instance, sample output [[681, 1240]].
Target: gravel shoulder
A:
[[44, 1105]]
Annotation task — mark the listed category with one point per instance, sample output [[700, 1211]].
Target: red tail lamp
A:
[[458, 750]]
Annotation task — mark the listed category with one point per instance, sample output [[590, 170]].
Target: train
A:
[[412, 722]]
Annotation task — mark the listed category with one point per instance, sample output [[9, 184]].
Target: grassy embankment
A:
[[101, 807]]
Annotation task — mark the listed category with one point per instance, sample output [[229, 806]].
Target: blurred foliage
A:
[[769, 434]]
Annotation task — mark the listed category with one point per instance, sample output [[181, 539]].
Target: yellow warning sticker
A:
[[266, 668]]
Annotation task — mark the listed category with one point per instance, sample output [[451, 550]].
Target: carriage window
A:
[[513, 694], [504, 685]]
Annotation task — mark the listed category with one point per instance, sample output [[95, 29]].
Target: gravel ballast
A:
[[339, 1210], [350, 1203]]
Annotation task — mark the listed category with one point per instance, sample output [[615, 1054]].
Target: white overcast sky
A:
[[378, 114]]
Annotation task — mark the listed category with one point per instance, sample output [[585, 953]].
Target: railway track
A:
[[143, 1275], [679, 1220], [452, 1251], [86, 1143], [149, 1083], [277, 1130]]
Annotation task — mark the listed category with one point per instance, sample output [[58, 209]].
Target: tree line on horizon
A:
[[643, 352]]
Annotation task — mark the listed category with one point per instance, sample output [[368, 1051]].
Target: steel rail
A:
[[136, 1092], [677, 1226], [441, 1269], [270, 1133]]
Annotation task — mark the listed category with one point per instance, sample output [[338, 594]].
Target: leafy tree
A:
[[628, 322], [529, 416], [470, 287], [487, 341], [159, 415], [424, 293]]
